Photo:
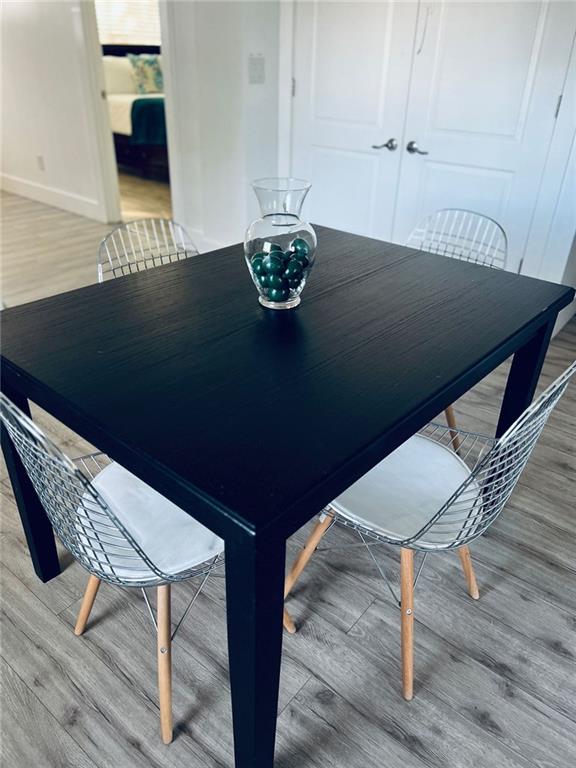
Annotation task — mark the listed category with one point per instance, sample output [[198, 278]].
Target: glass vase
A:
[[279, 247]]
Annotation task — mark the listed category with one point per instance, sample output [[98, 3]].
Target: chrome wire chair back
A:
[[143, 244], [496, 466], [80, 516], [462, 234]]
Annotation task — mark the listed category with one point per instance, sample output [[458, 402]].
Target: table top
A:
[[254, 417]]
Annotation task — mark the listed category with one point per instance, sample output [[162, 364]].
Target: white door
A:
[[484, 91], [351, 70]]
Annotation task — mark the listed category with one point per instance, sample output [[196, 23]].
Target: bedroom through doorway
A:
[[129, 34]]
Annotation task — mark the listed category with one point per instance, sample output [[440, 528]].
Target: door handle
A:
[[412, 147], [391, 144]]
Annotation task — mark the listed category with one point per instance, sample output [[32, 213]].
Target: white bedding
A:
[[120, 110]]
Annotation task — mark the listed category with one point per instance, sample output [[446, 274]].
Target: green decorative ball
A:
[[302, 258], [294, 282], [263, 280], [294, 269], [277, 281], [257, 264], [273, 264], [278, 294], [298, 245]]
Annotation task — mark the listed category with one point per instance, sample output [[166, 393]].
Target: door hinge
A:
[[558, 106], [293, 91]]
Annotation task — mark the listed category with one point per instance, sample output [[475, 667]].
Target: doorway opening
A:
[[129, 35]]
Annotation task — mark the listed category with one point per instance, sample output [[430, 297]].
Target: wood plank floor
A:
[[144, 198], [495, 679], [47, 251]]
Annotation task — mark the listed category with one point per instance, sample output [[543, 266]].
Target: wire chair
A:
[[143, 244], [490, 467], [72, 494], [462, 234], [467, 236]]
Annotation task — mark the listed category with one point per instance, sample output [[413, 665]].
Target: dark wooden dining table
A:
[[252, 420]]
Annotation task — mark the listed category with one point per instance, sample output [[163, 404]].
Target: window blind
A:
[[128, 22]]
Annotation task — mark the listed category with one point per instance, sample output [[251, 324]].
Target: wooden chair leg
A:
[[163, 613], [289, 625], [87, 603], [466, 560], [301, 562], [407, 621], [451, 421]]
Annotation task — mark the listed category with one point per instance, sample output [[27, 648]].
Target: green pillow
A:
[[147, 72]]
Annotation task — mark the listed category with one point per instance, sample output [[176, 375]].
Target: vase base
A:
[[290, 304]]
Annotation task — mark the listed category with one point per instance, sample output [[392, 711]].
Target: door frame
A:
[[173, 134], [548, 227], [106, 169], [285, 85]]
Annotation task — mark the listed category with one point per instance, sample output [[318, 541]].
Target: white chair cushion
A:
[[405, 490], [119, 75], [173, 541]]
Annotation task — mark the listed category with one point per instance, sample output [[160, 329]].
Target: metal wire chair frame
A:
[[80, 516], [142, 244], [462, 234], [496, 466], [480, 452]]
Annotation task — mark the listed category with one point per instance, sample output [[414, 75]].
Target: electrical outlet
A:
[[40, 161]]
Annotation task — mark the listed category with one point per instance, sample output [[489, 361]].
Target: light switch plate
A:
[[256, 69]]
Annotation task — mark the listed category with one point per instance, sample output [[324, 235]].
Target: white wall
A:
[[53, 146], [222, 130], [563, 224], [551, 249], [568, 278]]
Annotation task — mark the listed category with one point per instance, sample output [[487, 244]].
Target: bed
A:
[[137, 120]]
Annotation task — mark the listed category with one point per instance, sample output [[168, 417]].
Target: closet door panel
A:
[[351, 68], [485, 84]]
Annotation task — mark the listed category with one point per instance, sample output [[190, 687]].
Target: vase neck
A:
[[281, 196]]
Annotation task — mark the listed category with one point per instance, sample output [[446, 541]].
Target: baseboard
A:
[[58, 198]]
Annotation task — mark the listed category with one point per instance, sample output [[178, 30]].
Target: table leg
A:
[[254, 595], [523, 376], [35, 522]]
